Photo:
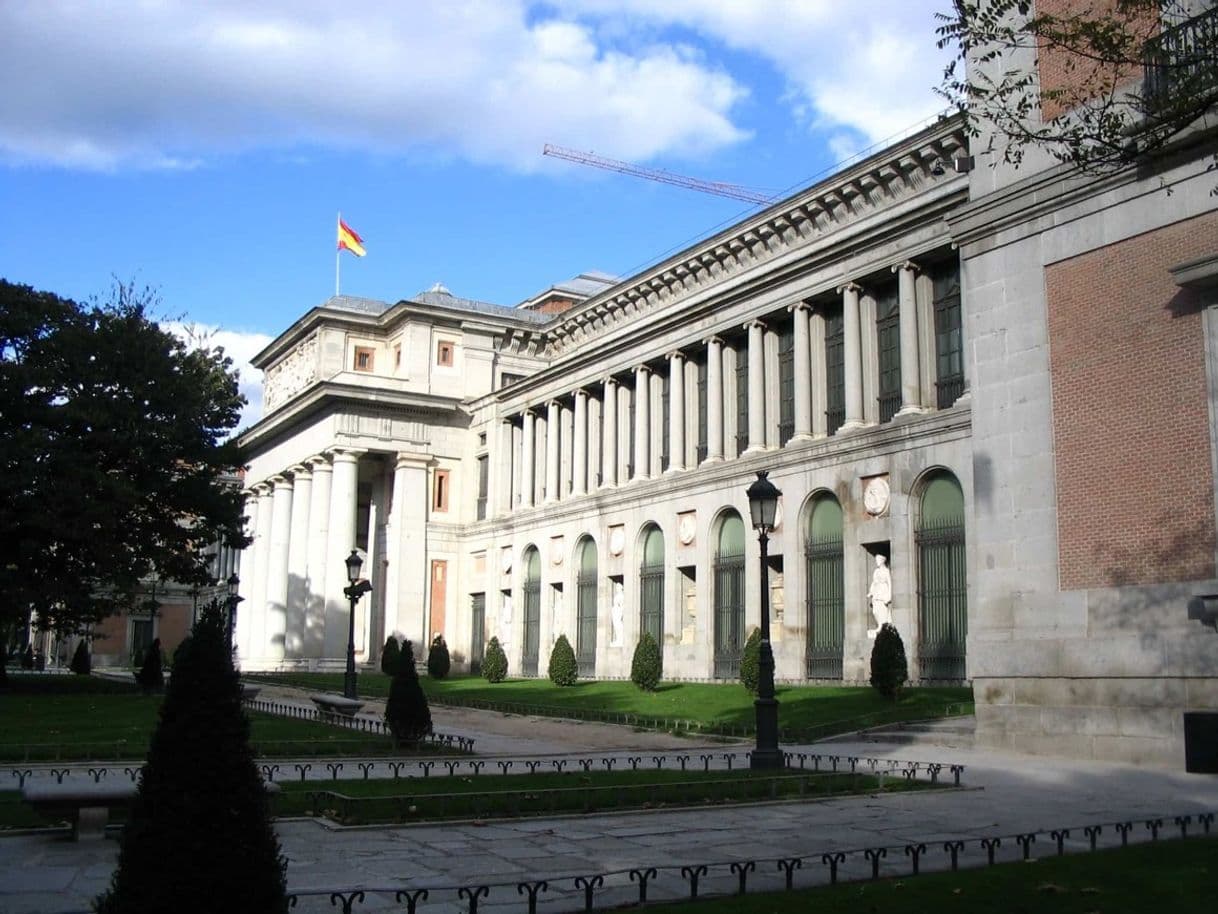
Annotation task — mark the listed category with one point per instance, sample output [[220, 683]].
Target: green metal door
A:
[[585, 611], [729, 598], [532, 613], [651, 585], [942, 585], [826, 589]]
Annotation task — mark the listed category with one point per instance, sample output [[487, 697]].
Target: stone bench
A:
[[335, 705], [87, 804]]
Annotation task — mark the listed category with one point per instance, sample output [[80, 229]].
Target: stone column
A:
[[801, 315], [253, 622], [502, 459], [341, 540], [247, 563], [579, 445], [714, 400], [408, 578], [642, 422], [298, 559], [756, 331], [911, 384], [609, 436], [275, 633], [528, 466], [853, 356], [676, 412], [552, 436], [319, 535]]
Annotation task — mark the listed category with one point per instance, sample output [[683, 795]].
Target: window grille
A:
[[888, 343], [835, 372], [786, 384], [742, 397], [949, 341]]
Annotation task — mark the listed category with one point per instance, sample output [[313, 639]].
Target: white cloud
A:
[[167, 83], [238, 345]]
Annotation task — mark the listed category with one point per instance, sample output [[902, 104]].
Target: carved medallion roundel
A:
[[876, 495]]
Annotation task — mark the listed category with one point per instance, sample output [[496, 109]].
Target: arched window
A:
[[826, 588], [651, 585], [585, 610], [532, 612], [729, 597], [942, 587]]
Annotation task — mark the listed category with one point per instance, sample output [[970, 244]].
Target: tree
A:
[[201, 817], [750, 661], [494, 663], [406, 712], [1086, 102], [889, 670], [563, 670], [438, 660], [111, 461], [647, 664], [391, 655]]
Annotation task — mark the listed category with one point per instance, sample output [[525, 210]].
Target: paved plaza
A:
[[1003, 795]]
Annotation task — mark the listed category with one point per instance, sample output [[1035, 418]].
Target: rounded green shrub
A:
[[889, 669], [81, 664], [647, 665], [438, 660], [563, 668], [407, 713], [391, 654], [750, 661], [494, 662]]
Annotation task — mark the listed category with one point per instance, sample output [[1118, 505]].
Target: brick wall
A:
[[1078, 78], [1130, 412]]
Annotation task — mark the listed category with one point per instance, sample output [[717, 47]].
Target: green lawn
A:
[[810, 711], [73, 718], [1143, 879]]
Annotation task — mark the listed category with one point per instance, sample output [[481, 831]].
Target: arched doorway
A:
[[651, 585], [585, 610], [942, 584], [532, 612], [826, 589], [729, 596]]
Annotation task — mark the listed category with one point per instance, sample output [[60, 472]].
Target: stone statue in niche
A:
[[505, 619], [879, 595], [617, 615]]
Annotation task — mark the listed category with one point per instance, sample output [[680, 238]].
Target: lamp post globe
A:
[[355, 589], [763, 507]]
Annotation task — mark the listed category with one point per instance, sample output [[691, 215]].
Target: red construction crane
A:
[[719, 188]]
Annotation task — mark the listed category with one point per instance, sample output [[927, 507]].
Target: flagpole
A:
[[337, 252]]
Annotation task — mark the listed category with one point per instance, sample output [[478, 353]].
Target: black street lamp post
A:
[[356, 588], [233, 599], [763, 506]]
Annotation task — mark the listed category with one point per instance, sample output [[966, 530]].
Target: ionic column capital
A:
[[301, 471], [906, 265], [319, 463], [346, 454], [713, 341], [674, 355], [754, 323], [849, 287], [799, 306], [281, 481]]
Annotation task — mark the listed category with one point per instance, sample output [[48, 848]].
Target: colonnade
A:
[[571, 460]]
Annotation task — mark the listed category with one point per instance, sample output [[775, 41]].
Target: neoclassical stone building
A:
[[1001, 381]]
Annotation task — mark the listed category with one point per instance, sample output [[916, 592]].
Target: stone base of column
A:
[[796, 440], [851, 426], [754, 449], [910, 411], [672, 471], [713, 459]]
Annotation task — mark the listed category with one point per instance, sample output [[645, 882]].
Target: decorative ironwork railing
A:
[[1181, 61]]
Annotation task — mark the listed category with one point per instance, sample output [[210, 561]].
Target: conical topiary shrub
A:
[[438, 661], [81, 664], [889, 669], [646, 667], [390, 655], [563, 668], [151, 678], [201, 818], [750, 661], [407, 713], [494, 663]]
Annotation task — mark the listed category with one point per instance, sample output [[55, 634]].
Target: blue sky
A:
[[204, 147]]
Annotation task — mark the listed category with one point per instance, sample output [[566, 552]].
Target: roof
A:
[[436, 297]]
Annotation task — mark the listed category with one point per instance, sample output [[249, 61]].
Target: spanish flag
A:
[[349, 240]]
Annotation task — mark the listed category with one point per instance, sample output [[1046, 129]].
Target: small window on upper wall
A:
[[444, 353], [439, 495], [363, 358]]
